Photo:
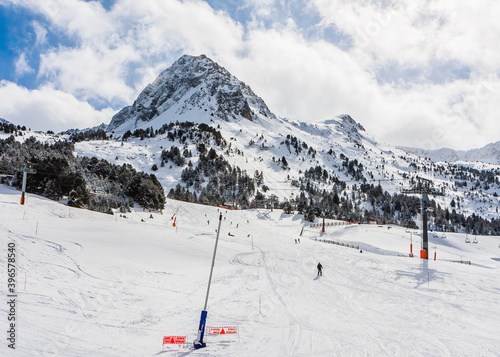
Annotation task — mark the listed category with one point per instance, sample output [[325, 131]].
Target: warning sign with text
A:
[[174, 340], [222, 330]]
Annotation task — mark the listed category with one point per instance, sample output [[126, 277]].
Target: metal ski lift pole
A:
[[25, 170], [198, 342], [411, 243], [425, 236]]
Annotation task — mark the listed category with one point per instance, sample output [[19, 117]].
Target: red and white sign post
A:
[[226, 330], [174, 340], [223, 330]]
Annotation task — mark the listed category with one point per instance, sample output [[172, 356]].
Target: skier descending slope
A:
[[320, 269]]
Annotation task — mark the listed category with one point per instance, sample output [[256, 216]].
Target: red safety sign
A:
[[174, 340], [222, 330]]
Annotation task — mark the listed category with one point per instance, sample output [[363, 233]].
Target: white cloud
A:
[[420, 32], [90, 73], [47, 108], [40, 33], [21, 66], [459, 114]]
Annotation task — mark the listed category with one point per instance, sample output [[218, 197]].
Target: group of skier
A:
[[319, 266]]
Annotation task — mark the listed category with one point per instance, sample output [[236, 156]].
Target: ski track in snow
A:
[[98, 285]]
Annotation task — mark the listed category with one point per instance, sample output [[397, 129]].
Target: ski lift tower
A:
[[425, 188]]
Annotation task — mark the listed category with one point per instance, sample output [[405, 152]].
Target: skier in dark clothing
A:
[[320, 269]]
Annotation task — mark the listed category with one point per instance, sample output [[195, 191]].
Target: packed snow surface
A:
[[91, 284]]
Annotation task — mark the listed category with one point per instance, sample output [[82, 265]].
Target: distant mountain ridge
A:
[[489, 154]]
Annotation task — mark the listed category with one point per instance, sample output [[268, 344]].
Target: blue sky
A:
[[11, 22], [414, 73]]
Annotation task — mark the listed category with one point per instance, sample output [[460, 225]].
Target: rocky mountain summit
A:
[[193, 83]]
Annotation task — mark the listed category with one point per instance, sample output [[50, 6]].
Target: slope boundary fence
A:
[[329, 224], [337, 243]]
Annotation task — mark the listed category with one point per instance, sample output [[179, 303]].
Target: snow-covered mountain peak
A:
[[345, 127], [349, 123], [344, 123], [195, 89]]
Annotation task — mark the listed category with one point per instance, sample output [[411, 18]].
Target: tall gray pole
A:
[[25, 175], [425, 236], [25, 171], [213, 262], [198, 342]]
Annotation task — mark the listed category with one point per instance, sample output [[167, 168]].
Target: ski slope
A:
[[92, 284]]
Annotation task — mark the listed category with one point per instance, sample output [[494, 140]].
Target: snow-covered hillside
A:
[[91, 284], [261, 144]]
